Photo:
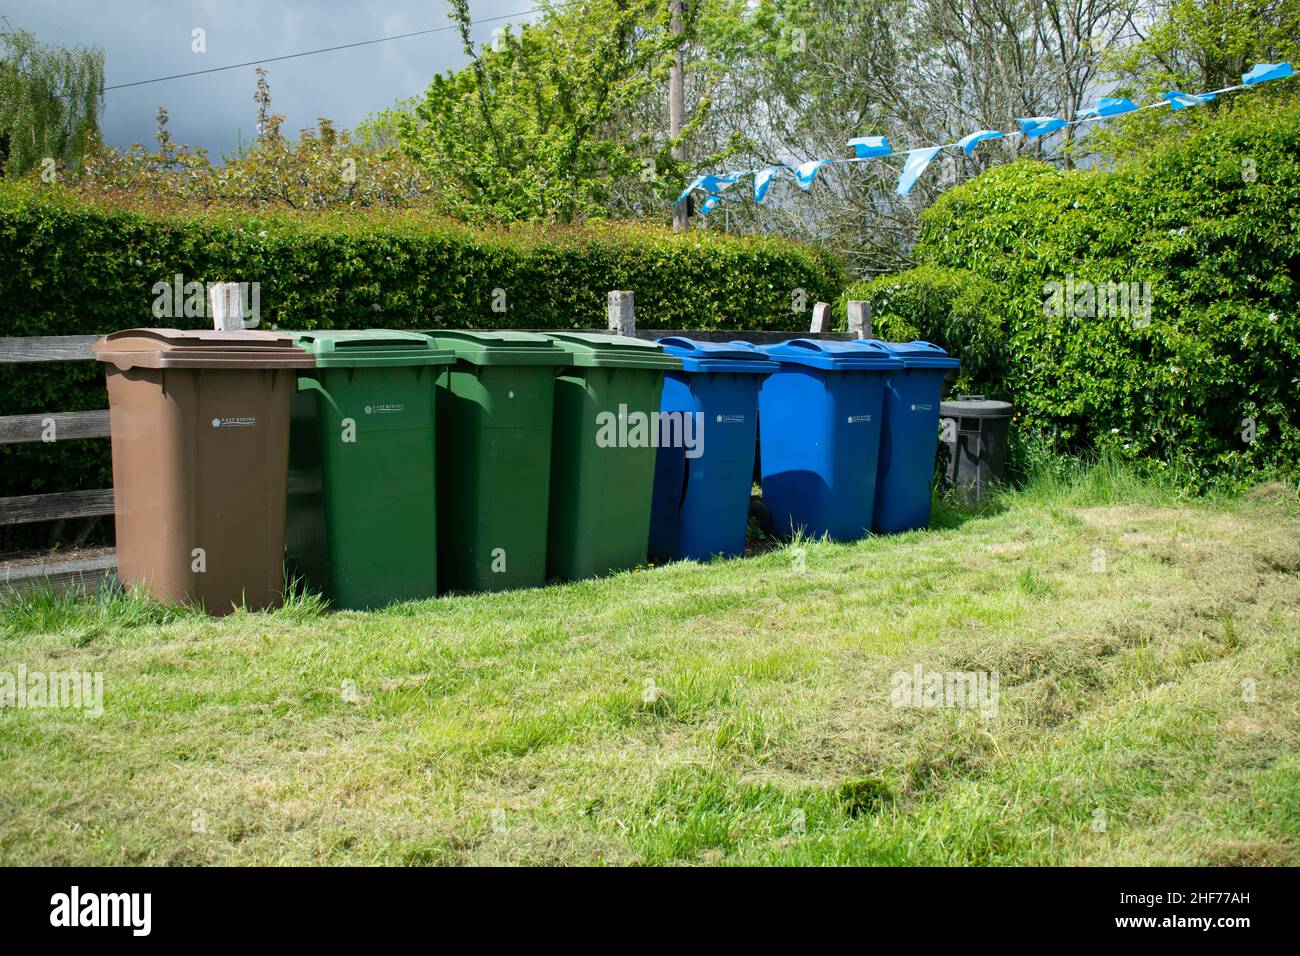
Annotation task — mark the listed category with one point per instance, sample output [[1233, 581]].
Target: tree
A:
[[1197, 45], [50, 98], [922, 72], [536, 127], [1194, 46]]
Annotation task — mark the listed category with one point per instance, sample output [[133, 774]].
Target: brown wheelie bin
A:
[[200, 435]]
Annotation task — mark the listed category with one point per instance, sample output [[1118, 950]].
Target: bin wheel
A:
[[758, 513]]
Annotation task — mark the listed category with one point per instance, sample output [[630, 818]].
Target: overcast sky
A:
[[143, 39]]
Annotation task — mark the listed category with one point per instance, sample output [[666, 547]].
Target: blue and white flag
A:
[[1109, 106], [864, 147], [869, 147], [807, 172], [707, 183], [1266, 71], [1181, 101], [763, 181], [1040, 125], [971, 140], [914, 167]]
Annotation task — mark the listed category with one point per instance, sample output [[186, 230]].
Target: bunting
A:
[[914, 166], [915, 161], [969, 142], [1181, 101]]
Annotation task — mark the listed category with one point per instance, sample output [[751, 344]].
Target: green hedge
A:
[[1211, 222], [72, 267], [954, 308]]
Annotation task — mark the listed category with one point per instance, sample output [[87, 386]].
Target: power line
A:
[[326, 49]]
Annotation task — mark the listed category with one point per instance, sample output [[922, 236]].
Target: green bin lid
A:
[[497, 347], [350, 348], [595, 349]]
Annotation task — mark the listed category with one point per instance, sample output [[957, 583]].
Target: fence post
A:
[[226, 306], [821, 318], [859, 319], [621, 310]]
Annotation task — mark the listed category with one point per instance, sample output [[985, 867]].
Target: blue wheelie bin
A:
[[909, 435], [819, 437], [701, 493]]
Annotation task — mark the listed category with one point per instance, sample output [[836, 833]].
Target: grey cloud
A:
[[142, 39]]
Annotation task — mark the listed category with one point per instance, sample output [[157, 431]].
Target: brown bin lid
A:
[[200, 348]]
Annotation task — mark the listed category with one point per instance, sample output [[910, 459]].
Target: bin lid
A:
[[499, 347], [595, 349], [371, 348], [918, 354], [698, 356], [975, 406], [200, 348], [832, 355]]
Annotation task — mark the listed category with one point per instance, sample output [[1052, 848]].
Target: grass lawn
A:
[[1148, 708]]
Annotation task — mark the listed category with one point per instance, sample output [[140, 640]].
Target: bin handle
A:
[[973, 398], [308, 384]]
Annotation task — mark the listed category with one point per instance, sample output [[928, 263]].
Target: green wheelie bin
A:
[[603, 448], [494, 458], [362, 509]]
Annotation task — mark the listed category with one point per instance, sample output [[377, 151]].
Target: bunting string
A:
[[871, 148]]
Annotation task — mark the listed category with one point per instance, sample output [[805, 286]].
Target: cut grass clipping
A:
[[760, 710]]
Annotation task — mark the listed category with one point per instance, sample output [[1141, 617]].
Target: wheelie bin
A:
[[362, 511], [975, 435], [703, 482], [603, 452], [199, 424], [494, 458], [909, 435], [820, 435]]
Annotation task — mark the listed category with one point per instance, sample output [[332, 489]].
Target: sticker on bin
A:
[[238, 421], [386, 409], [854, 419]]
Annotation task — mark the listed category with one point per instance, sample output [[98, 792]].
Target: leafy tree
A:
[[537, 126], [50, 99], [1194, 46]]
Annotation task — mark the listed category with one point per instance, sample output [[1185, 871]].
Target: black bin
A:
[[973, 432]]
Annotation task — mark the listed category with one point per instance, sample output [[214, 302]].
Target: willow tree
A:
[[50, 99]]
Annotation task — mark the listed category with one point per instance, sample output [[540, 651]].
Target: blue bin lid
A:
[[917, 354], [700, 356], [832, 355]]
